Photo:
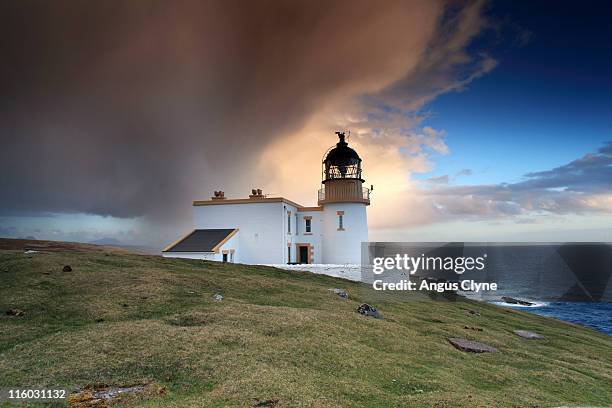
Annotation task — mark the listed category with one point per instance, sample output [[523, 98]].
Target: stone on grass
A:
[[67, 268], [15, 312], [266, 403], [368, 310], [218, 297], [340, 292], [472, 328], [528, 334], [102, 396], [471, 346], [474, 312]]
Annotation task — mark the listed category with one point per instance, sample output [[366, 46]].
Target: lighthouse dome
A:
[[341, 162]]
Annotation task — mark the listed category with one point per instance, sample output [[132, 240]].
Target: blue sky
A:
[[548, 101]]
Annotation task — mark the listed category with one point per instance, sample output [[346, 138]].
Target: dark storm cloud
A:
[[581, 186], [134, 108]]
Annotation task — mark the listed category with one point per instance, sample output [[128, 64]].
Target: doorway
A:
[[303, 252]]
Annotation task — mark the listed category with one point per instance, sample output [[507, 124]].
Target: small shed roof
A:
[[202, 240]]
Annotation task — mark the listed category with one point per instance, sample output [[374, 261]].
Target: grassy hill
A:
[[278, 338]]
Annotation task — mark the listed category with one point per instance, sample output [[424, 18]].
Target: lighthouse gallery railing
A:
[[347, 192]]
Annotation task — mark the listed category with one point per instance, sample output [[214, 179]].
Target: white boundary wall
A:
[[346, 271]]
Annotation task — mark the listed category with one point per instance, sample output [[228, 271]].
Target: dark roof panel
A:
[[201, 240]]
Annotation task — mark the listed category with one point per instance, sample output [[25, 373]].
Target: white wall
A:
[[207, 256], [231, 244], [261, 238], [345, 271], [344, 247], [289, 238], [315, 238]]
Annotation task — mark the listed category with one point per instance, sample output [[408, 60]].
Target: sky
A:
[[553, 95], [476, 121]]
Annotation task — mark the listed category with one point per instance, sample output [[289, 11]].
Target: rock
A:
[[472, 328], [266, 403], [218, 297], [124, 305], [340, 292], [474, 312], [471, 346], [368, 310], [513, 301], [99, 320], [30, 251], [15, 312], [102, 396], [528, 334], [67, 268]]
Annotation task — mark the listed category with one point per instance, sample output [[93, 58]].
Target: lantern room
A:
[[341, 175], [341, 162]]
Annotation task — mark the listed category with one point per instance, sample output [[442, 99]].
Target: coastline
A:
[[595, 315]]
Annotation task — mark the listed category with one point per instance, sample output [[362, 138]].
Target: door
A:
[[303, 251]]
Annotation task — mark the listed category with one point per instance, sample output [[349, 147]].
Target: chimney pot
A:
[[218, 195]]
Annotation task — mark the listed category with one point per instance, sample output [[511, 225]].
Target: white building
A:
[[275, 230]]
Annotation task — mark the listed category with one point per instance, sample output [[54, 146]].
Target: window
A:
[[288, 254], [288, 222], [308, 225], [232, 256], [340, 220]]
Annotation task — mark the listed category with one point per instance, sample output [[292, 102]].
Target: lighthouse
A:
[[275, 230], [344, 201]]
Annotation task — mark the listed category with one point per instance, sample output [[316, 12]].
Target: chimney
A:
[[219, 195], [256, 193]]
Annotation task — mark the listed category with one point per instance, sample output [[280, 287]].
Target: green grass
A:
[[122, 319]]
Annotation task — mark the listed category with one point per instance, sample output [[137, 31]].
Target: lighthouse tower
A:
[[344, 201]]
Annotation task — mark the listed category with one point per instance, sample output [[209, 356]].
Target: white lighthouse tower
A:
[[344, 201]]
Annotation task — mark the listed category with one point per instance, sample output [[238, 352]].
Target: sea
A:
[[565, 281], [597, 315]]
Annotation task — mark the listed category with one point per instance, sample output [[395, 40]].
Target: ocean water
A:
[[566, 281], [597, 315]]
